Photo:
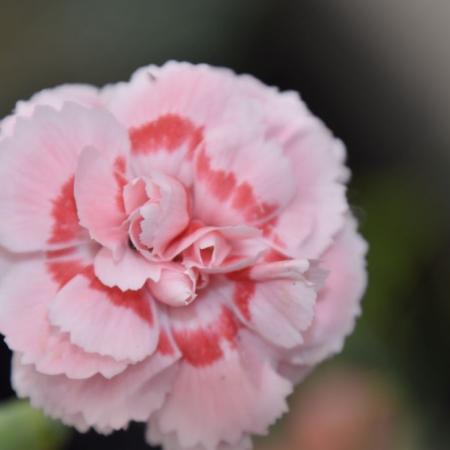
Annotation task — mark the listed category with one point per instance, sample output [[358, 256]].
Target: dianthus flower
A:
[[177, 250]]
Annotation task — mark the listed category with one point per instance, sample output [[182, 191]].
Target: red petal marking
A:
[[206, 255], [219, 182], [223, 186], [274, 256], [201, 347], [244, 199], [60, 252], [65, 217], [63, 271], [169, 132], [243, 293], [119, 175], [165, 347], [134, 300], [268, 227], [239, 275], [268, 232]]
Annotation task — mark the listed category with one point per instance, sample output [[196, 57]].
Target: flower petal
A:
[[201, 93], [196, 232], [170, 441], [176, 286], [168, 217], [129, 325], [305, 229], [98, 188], [167, 109], [213, 253], [226, 385], [82, 94], [237, 177], [338, 303], [130, 272], [278, 310], [166, 144], [104, 404], [8, 260], [25, 293], [37, 166]]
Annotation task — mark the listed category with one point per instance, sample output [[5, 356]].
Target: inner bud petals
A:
[[216, 250], [159, 210], [134, 195], [211, 249], [175, 287]]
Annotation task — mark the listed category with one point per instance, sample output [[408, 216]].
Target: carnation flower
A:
[[177, 250]]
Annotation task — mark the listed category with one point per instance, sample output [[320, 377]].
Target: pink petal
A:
[[99, 183], [203, 94], [167, 108], [237, 177], [293, 372], [287, 269], [25, 293], [8, 260], [196, 232], [135, 195], [129, 272], [278, 310], [226, 385], [306, 227], [215, 250], [166, 144], [37, 165], [166, 218], [129, 326], [104, 404], [170, 441], [82, 94], [338, 303], [211, 250], [175, 287]]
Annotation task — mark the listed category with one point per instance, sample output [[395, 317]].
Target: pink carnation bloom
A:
[[177, 250]]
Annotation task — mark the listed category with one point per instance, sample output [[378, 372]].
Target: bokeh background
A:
[[378, 73]]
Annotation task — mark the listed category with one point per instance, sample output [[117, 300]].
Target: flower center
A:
[[158, 211], [171, 253]]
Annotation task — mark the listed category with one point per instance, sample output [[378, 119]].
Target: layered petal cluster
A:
[[176, 250]]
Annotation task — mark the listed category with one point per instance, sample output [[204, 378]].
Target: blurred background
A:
[[378, 73]]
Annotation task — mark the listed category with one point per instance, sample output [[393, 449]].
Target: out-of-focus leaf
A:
[[25, 428], [403, 229]]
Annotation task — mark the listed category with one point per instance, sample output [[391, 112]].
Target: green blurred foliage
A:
[[23, 428], [404, 231]]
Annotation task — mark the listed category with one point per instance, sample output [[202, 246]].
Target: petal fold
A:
[[25, 294], [106, 405], [107, 321], [98, 188], [128, 272], [37, 167]]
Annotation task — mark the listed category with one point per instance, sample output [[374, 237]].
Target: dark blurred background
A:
[[378, 73]]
